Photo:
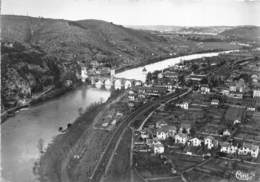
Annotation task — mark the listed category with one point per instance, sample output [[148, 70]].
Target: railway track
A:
[[99, 170]]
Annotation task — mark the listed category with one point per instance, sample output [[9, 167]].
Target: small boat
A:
[[11, 114], [144, 69]]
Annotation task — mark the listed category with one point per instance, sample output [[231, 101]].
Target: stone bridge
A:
[[109, 82]]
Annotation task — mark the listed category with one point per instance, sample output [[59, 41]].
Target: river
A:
[[21, 134], [138, 74]]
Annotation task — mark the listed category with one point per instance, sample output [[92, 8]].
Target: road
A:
[[101, 166], [131, 156]]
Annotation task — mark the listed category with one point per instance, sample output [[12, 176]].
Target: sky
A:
[[143, 12]]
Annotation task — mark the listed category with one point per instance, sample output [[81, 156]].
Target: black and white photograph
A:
[[130, 90]]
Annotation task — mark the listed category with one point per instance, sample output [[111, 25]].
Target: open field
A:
[[196, 176], [183, 162], [120, 166], [150, 165]]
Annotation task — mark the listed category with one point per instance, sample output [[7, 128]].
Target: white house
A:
[[225, 92], [210, 142], [114, 122], [224, 147], [215, 102], [249, 148], [195, 142], [131, 92], [158, 148], [204, 89], [170, 88], [181, 138], [99, 84], [161, 134], [184, 105], [138, 83], [165, 131], [131, 97], [254, 150], [236, 122], [144, 134], [236, 95], [244, 150], [160, 76], [232, 149], [172, 130], [250, 108], [256, 93], [84, 74], [233, 88], [226, 133]]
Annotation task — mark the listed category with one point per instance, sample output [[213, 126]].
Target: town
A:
[[130, 91], [211, 130], [215, 124]]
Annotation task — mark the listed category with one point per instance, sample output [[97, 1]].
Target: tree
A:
[[40, 145], [149, 77], [181, 78], [80, 110], [204, 81], [184, 130], [69, 125], [194, 67]]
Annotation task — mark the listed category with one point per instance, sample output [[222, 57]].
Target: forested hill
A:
[[39, 52], [84, 40]]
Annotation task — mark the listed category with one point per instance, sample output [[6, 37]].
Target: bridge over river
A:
[[117, 83]]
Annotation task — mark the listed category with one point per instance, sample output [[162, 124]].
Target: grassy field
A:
[[149, 165], [50, 162], [80, 140], [120, 166], [183, 161], [196, 176]]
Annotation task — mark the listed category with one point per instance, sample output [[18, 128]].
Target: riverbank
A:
[[63, 145], [45, 96], [157, 59]]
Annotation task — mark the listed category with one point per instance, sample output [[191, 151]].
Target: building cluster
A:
[[156, 138], [157, 84], [219, 119], [242, 84], [141, 94], [236, 86]]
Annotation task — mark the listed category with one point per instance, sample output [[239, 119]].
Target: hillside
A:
[[184, 30], [244, 33], [247, 34], [38, 52], [212, 30], [84, 40], [26, 71], [40, 44]]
